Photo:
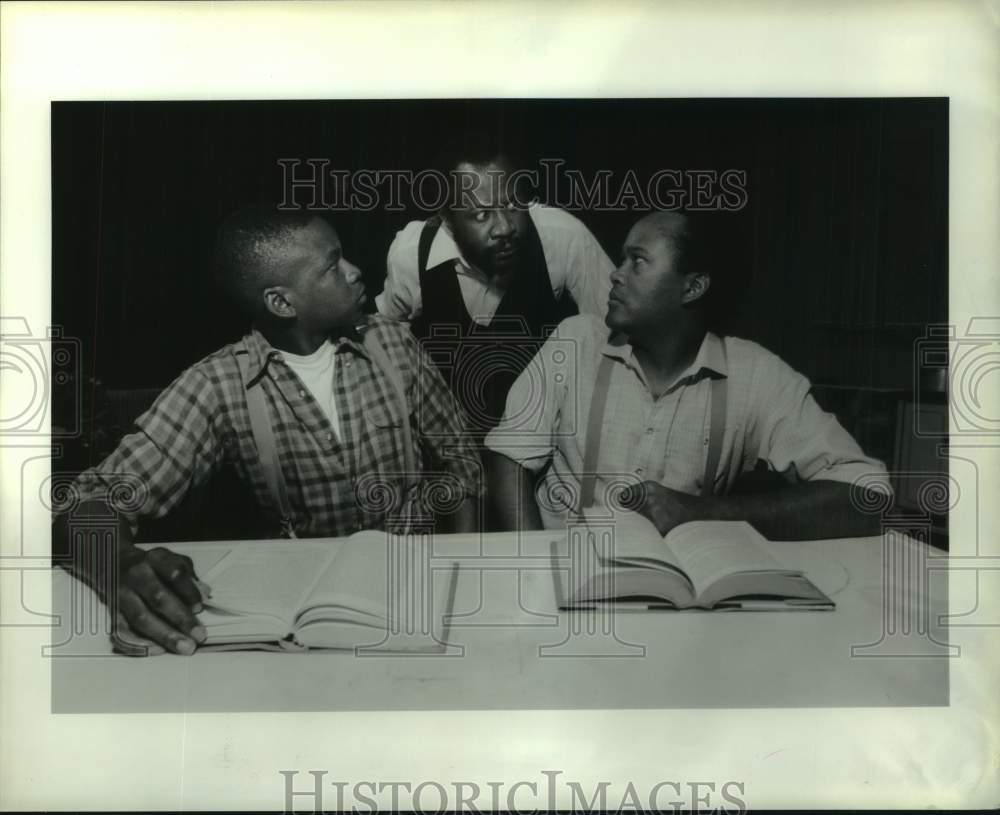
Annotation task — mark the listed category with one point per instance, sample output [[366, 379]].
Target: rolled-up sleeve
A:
[[588, 272], [798, 438], [400, 299], [526, 433], [576, 261], [174, 448]]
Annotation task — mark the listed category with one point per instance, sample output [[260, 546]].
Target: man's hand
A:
[[152, 596], [156, 598], [664, 507], [812, 510]]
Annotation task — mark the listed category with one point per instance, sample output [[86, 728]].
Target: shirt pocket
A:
[[381, 418], [385, 441]]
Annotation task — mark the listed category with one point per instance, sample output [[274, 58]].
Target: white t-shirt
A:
[[316, 372]]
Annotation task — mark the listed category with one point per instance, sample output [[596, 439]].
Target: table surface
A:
[[510, 647]]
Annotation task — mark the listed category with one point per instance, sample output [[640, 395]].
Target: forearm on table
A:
[[66, 549], [806, 511], [511, 493], [153, 595]]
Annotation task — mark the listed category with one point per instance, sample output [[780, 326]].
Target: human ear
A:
[[277, 303], [696, 287]]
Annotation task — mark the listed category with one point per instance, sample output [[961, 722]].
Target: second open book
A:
[[371, 591], [702, 564]]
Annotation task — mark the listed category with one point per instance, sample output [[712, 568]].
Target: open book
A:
[[369, 591], [702, 564]]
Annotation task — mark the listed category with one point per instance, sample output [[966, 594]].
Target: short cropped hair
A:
[[687, 236], [244, 251], [710, 243], [477, 152]]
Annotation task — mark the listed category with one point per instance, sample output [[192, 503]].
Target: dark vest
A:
[[481, 362]]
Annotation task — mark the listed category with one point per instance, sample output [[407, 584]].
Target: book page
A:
[[636, 541], [623, 584], [711, 550], [374, 575], [265, 579], [338, 627]]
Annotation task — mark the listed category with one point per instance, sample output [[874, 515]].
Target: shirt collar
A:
[[261, 352], [710, 359], [444, 248]]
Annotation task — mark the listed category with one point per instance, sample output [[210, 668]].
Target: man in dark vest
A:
[[486, 279]]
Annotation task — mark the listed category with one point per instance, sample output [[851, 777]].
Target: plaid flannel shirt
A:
[[336, 485]]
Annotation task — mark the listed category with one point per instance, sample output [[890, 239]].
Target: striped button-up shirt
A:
[[337, 484], [770, 417]]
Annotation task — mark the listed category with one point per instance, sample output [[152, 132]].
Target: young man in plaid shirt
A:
[[332, 397]]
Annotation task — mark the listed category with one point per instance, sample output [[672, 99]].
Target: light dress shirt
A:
[[770, 416]]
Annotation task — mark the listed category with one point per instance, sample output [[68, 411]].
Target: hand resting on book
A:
[[799, 510], [664, 507]]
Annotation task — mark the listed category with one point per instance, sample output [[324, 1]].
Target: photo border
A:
[[943, 757]]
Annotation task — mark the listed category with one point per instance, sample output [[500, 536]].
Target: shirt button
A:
[[302, 393], [638, 471]]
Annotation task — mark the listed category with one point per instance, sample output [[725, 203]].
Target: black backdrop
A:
[[841, 250]]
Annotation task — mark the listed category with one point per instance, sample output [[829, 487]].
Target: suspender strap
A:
[[391, 371], [594, 422], [263, 431], [716, 426], [716, 430], [427, 233], [267, 449]]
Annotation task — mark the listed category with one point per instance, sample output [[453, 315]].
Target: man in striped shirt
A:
[[339, 431], [670, 388]]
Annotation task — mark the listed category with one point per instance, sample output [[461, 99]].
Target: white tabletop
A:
[[512, 649]]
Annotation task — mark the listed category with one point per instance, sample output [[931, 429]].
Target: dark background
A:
[[840, 251]]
